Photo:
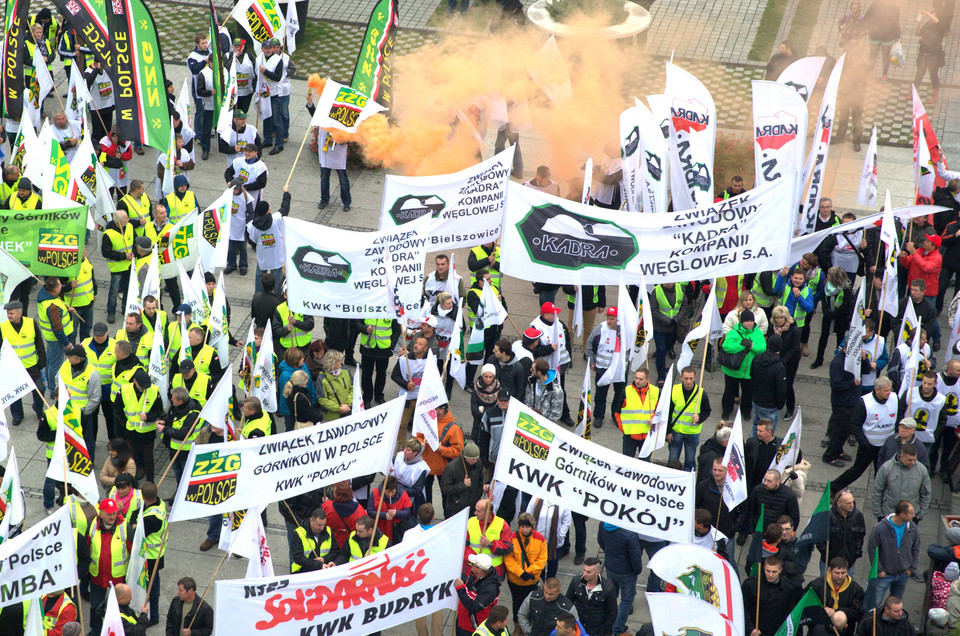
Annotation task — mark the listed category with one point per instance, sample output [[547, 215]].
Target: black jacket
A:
[[297, 510], [456, 495], [596, 611], [775, 503], [885, 626], [486, 590], [846, 536], [622, 549], [769, 377], [710, 497], [941, 220], [511, 375], [790, 347], [848, 601], [709, 450], [202, 625], [190, 409], [137, 628], [543, 615], [120, 416], [926, 312], [844, 391], [756, 457], [777, 600]]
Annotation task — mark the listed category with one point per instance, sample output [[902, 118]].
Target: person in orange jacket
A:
[[451, 446], [526, 562]]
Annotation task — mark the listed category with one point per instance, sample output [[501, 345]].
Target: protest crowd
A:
[[342, 405]]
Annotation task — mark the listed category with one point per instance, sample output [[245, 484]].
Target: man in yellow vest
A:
[[139, 337], [378, 336], [136, 204], [80, 294], [133, 623], [198, 385], [179, 427], [117, 247], [59, 610], [8, 187], [689, 409], [154, 231], [181, 201], [138, 406], [56, 324], [203, 355], [496, 623], [488, 534], [154, 520], [290, 329], [314, 547], [154, 319], [24, 198], [634, 414], [101, 353], [109, 546], [363, 541], [257, 423], [486, 256], [83, 384], [25, 337], [668, 307]]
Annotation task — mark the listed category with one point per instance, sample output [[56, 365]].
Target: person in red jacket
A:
[[343, 511], [924, 263], [394, 512], [478, 594]]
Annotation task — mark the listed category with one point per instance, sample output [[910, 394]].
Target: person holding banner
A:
[[689, 409], [634, 413], [478, 594]]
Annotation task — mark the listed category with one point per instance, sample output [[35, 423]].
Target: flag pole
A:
[[759, 576], [876, 266], [297, 158], [156, 562], [212, 579], [57, 93], [515, 325], [174, 458], [716, 526], [376, 519], [883, 300], [77, 586]]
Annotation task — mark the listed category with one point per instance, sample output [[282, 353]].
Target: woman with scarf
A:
[[335, 396], [118, 461], [485, 389]]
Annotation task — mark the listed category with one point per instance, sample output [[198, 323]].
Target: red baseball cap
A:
[[935, 239], [109, 506], [549, 308], [611, 311]]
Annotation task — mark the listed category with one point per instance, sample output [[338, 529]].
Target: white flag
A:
[[735, 486], [185, 351], [151, 284], [215, 237], [780, 125], [78, 96], [587, 182], [172, 154], [12, 273], [695, 338], [630, 153], [458, 368], [577, 325], [15, 382], [867, 193], [703, 576], [586, 405], [910, 368], [11, 498], [194, 294], [358, 406], [813, 171], [33, 623], [924, 170], [952, 353], [264, 374], [657, 435], [103, 199], [70, 454], [653, 160], [160, 367], [644, 334], [229, 527], [674, 613], [802, 75], [37, 156], [250, 541], [4, 435], [138, 575], [854, 343], [216, 412], [219, 329], [134, 306], [909, 325], [890, 298], [430, 396], [184, 101], [494, 313], [229, 101], [37, 88], [789, 448], [199, 282], [693, 131], [293, 27], [112, 620], [343, 108]]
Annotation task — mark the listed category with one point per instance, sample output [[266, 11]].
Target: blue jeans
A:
[[626, 585], [155, 595], [689, 442], [203, 123], [276, 127], [663, 340], [86, 327], [277, 273], [214, 525], [237, 249], [892, 584], [547, 296], [654, 582], [55, 360], [464, 5], [344, 186], [759, 413], [97, 596], [118, 285]]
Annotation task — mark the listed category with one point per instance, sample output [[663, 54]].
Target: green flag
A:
[[373, 74], [818, 526], [755, 552], [809, 611], [217, 56], [873, 566], [47, 242]]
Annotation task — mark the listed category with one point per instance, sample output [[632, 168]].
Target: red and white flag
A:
[[867, 193], [693, 132], [735, 486], [779, 132], [932, 143]]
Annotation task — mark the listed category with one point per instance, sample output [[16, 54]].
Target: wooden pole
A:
[[297, 521], [376, 519], [717, 524], [212, 579], [883, 299], [77, 586], [759, 576], [173, 459], [876, 266], [297, 158], [517, 328]]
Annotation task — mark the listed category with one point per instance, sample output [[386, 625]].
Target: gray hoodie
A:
[[895, 482], [895, 559]]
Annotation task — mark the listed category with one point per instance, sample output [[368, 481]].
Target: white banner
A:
[[779, 132], [687, 615], [653, 160], [430, 395], [813, 171], [42, 560], [693, 131], [551, 240], [343, 274], [467, 207], [854, 347], [802, 76], [404, 582], [224, 477], [551, 462], [549, 71]]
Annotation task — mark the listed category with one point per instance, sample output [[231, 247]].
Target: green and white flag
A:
[[12, 509], [49, 242], [262, 19], [138, 575], [160, 369], [12, 273], [818, 526], [808, 612], [219, 329], [373, 74], [789, 448]]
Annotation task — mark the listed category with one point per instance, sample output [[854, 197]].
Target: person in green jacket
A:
[[745, 336], [335, 388]]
